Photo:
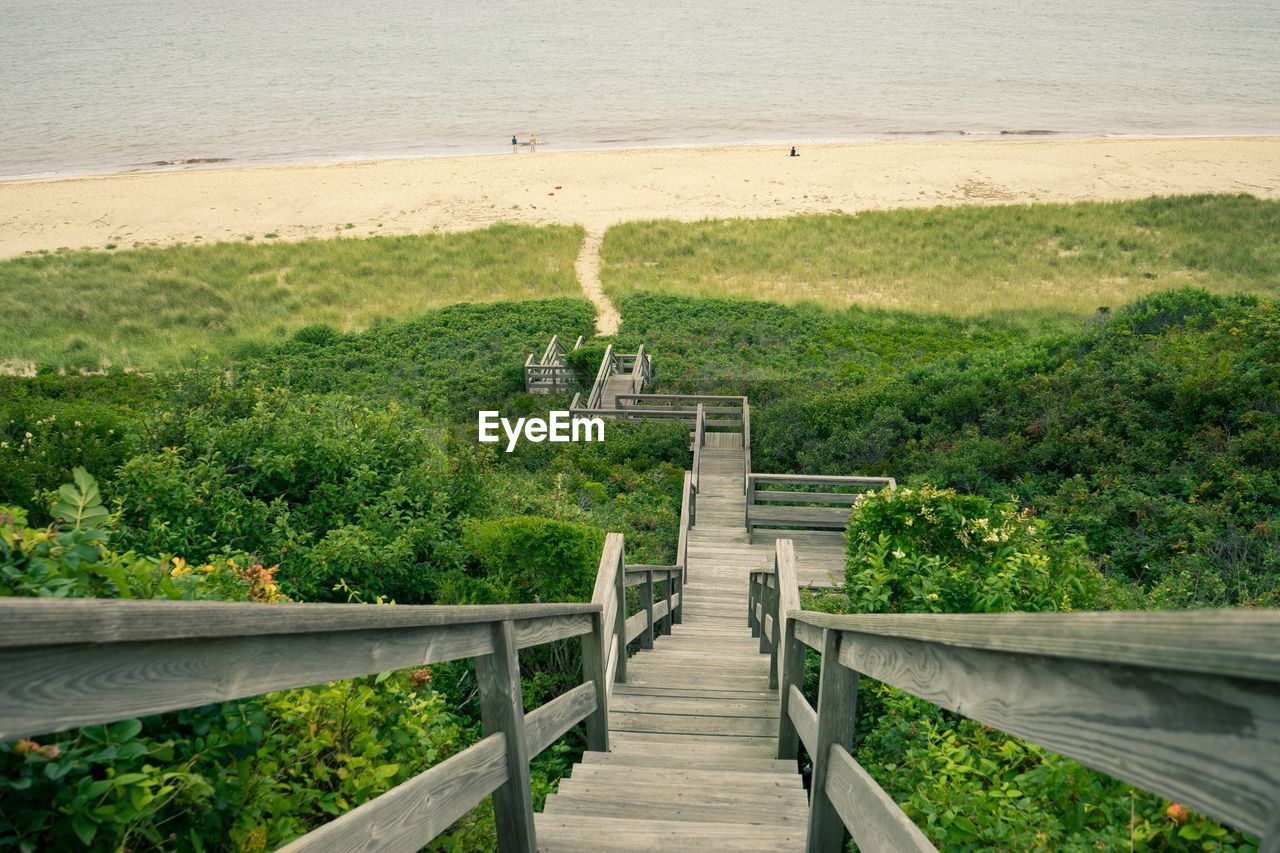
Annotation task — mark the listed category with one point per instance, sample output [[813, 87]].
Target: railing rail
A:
[[686, 521], [699, 439], [1185, 704], [801, 507], [608, 364], [548, 374]]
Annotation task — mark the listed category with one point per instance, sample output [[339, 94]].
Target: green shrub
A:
[[585, 363], [930, 550], [535, 559]]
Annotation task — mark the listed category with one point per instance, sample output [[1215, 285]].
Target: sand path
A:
[[588, 269]]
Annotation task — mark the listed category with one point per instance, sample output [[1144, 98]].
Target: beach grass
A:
[[1040, 259], [151, 307]]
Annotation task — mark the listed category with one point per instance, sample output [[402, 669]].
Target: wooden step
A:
[[623, 721], [623, 703], [620, 806], [674, 744], [744, 787], [705, 761], [584, 834]]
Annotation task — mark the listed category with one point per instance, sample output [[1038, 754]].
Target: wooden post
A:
[[678, 580], [668, 587], [620, 616], [768, 607], [837, 708], [646, 604], [775, 638], [595, 649], [792, 673], [753, 598], [502, 710]]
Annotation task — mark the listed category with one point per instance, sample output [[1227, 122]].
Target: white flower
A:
[[898, 553]]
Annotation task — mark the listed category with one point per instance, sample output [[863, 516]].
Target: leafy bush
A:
[[534, 559], [247, 775], [930, 550], [585, 363]]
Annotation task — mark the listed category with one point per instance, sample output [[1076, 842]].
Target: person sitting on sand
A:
[[793, 151]]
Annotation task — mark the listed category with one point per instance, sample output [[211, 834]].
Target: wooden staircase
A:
[[693, 731]]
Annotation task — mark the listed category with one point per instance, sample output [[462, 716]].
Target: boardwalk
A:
[[693, 731]]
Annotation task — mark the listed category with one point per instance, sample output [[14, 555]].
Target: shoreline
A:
[[601, 187], [227, 164]]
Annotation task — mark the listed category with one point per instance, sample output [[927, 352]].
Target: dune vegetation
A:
[[960, 261], [150, 306]]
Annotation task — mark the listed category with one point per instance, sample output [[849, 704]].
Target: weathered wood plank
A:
[[692, 724], [837, 709], [546, 724], [414, 812], [804, 718], [502, 711], [1210, 742], [546, 629], [595, 647], [637, 624], [619, 805], [871, 816], [581, 834], [808, 634], [1221, 642], [45, 690], [798, 516], [823, 480], [26, 622]]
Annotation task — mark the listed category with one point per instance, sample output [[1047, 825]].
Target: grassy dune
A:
[[150, 306], [961, 261]]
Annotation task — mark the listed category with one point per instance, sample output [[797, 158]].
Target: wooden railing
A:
[[687, 499], [549, 374], [1185, 704], [637, 366], [723, 414], [813, 502], [695, 469], [69, 663]]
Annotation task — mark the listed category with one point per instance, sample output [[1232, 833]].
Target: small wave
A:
[[1009, 132], [192, 161]]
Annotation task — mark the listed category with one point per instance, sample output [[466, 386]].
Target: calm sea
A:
[[115, 85]]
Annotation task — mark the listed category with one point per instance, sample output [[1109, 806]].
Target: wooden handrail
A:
[[806, 510], [1185, 704], [606, 369], [746, 445], [552, 351], [686, 521], [699, 437]]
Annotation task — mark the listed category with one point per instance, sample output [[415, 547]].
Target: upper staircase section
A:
[[619, 374], [549, 375]]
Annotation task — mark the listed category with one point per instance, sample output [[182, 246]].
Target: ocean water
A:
[[117, 85]]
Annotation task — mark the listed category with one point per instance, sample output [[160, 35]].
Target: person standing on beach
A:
[[533, 142], [515, 144]]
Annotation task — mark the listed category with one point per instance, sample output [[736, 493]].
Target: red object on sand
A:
[[557, 187]]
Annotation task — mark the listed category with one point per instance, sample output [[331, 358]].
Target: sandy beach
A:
[[600, 188]]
